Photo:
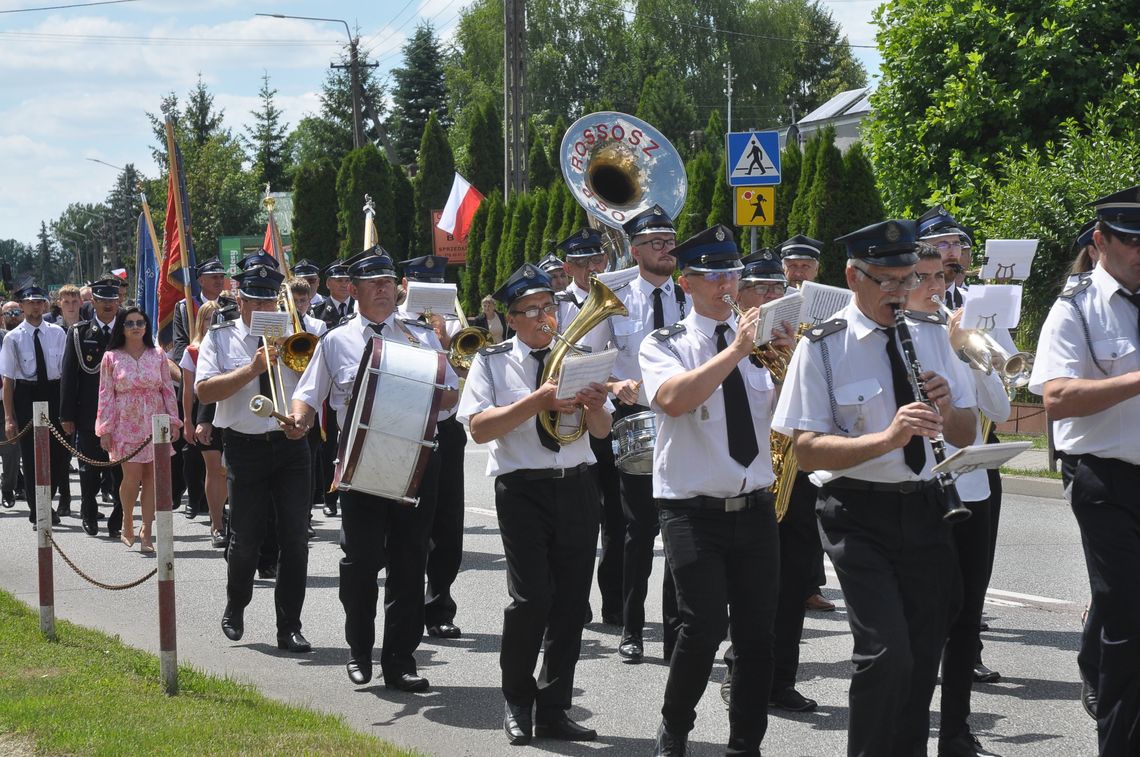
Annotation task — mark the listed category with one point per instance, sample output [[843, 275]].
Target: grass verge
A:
[[1039, 441], [1032, 472], [90, 694]]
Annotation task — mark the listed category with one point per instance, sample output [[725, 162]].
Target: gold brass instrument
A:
[[297, 348], [599, 305], [985, 354], [775, 359], [466, 342]]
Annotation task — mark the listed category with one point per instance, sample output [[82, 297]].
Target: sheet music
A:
[[774, 313], [270, 323], [822, 302], [425, 295], [1008, 259], [579, 371], [978, 456], [992, 306]]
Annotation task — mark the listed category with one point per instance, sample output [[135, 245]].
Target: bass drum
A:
[[634, 438], [389, 428]]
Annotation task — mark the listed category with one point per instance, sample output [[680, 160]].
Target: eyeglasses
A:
[[132, 324], [657, 245], [13, 313], [599, 259], [938, 276], [908, 282], [716, 277], [1128, 240], [532, 313], [943, 246], [770, 288]]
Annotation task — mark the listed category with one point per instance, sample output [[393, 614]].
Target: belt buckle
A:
[[736, 504], [559, 473], [910, 487]]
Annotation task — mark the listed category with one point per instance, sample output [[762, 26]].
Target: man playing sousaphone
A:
[[376, 532], [547, 505]]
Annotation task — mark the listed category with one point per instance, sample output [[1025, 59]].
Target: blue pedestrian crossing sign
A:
[[752, 158]]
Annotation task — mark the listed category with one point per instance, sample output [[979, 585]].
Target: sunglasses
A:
[[1128, 240], [13, 313], [133, 324]]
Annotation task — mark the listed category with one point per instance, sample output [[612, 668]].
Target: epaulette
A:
[[918, 316], [564, 297], [1077, 288], [621, 286], [223, 325], [819, 331], [411, 321], [669, 332], [495, 349]]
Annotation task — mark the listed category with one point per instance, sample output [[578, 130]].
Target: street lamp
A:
[[357, 134], [109, 165]]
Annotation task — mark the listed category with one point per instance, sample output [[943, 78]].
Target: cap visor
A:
[[895, 260]]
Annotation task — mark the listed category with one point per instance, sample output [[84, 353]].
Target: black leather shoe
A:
[[965, 744], [9, 499], [409, 682], [669, 745], [114, 533], [444, 631], [982, 674], [63, 511], [189, 511], [329, 511], [233, 623], [564, 729], [1088, 699], [517, 723], [359, 671], [631, 650], [293, 642], [791, 700], [91, 527]]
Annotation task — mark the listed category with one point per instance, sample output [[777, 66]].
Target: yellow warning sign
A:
[[754, 206]]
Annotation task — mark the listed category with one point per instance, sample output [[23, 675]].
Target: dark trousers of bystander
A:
[[91, 480], [24, 395]]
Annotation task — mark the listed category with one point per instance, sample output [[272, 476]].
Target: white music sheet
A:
[[981, 456], [992, 306], [1008, 259], [822, 301], [424, 296], [270, 323], [774, 313], [580, 370]]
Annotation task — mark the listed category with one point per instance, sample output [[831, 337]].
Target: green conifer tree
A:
[[532, 247], [434, 177], [825, 208], [469, 294], [791, 163], [315, 212], [364, 172], [489, 252], [862, 203], [505, 256], [798, 220], [702, 182], [539, 173], [555, 203]]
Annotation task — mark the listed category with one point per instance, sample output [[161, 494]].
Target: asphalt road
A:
[[1038, 591]]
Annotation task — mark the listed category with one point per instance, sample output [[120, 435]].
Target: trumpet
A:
[[466, 342], [985, 354], [766, 355]]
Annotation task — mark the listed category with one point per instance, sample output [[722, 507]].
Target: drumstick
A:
[[262, 406]]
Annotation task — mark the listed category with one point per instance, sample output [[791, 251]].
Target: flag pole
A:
[[172, 153]]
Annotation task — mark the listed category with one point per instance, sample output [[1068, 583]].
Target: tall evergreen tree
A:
[[419, 91], [122, 213], [484, 167], [315, 212], [469, 294], [720, 209], [265, 138], [554, 154], [698, 203], [505, 255], [489, 252], [45, 247], [862, 204], [573, 217], [533, 248], [434, 176], [202, 121], [665, 104], [540, 174], [363, 172], [825, 208], [554, 211], [791, 163], [798, 220], [404, 215], [714, 136], [520, 225]]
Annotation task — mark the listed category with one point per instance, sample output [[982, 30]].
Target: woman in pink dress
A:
[[135, 383]]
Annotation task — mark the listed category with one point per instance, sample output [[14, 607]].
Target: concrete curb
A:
[[1030, 486]]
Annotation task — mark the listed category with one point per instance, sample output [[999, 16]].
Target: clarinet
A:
[[955, 510]]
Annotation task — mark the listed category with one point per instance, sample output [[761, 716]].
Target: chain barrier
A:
[[16, 438], [109, 587], [89, 460]]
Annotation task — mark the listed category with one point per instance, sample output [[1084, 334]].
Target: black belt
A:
[[266, 436], [749, 501], [899, 487], [33, 384], [538, 474]]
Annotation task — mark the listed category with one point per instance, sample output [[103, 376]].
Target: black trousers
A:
[[380, 533], [610, 575], [317, 465], [800, 553], [91, 480], [896, 564], [194, 477], [10, 458], [550, 531], [263, 477], [24, 394], [1103, 497], [972, 541], [722, 560], [328, 459], [445, 548], [1088, 657]]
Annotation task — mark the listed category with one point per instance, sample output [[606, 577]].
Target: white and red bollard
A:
[[41, 430], [161, 443]]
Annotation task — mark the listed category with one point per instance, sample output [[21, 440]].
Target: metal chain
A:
[[16, 438], [91, 461], [89, 579]]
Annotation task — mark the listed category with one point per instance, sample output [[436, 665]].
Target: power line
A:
[[429, 21], [381, 30], [72, 5]]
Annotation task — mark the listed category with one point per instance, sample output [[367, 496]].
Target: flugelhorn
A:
[[466, 342], [768, 355], [985, 354]]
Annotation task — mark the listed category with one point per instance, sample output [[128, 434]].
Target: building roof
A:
[[850, 103]]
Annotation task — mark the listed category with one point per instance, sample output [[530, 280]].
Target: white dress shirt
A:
[[1066, 350], [630, 331], [18, 353], [691, 455], [861, 384], [597, 338]]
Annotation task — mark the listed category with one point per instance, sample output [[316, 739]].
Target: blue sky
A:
[[77, 83]]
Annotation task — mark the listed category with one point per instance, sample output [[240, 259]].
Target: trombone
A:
[[270, 407]]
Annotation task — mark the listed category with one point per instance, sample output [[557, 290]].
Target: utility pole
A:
[[514, 97], [728, 93]]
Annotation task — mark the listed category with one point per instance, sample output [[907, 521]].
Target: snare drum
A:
[[390, 421], [634, 437]]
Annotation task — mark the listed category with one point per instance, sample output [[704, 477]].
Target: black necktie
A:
[[106, 332], [377, 328], [737, 412], [954, 298], [914, 452], [340, 310], [547, 440], [41, 361], [658, 310]]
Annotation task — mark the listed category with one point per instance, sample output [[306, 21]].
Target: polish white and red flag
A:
[[460, 209]]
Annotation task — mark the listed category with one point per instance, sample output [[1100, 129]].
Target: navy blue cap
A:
[[551, 263], [1120, 211], [762, 265], [259, 282], [373, 263], [338, 269], [106, 288], [652, 221], [526, 280], [306, 267], [890, 244], [261, 257], [583, 243], [1084, 236], [800, 247], [935, 223], [713, 249], [33, 292], [426, 268], [213, 265], [966, 237]]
